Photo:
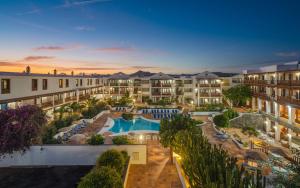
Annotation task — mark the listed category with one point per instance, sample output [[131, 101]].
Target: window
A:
[[91, 81], [80, 82], [34, 84], [45, 84], [67, 82], [60, 83], [135, 156], [88, 82], [97, 81], [5, 86], [77, 82]]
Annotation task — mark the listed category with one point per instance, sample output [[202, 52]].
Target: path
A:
[[96, 126], [157, 173], [228, 144]]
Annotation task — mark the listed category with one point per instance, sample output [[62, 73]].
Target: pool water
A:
[[138, 124]]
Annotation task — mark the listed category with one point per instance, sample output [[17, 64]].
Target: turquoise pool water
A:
[[137, 124]]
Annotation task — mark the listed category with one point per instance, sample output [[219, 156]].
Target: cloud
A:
[[144, 67], [115, 49], [69, 4], [288, 54], [37, 58], [57, 48], [33, 11], [6, 63], [84, 28], [49, 48]]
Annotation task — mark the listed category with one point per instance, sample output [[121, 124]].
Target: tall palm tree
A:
[[89, 103], [170, 128]]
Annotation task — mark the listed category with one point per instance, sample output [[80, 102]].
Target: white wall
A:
[[57, 155], [21, 86]]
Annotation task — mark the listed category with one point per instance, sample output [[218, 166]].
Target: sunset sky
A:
[[107, 36]]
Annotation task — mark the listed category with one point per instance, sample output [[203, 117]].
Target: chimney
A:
[[72, 73], [54, 71], [28, 71]]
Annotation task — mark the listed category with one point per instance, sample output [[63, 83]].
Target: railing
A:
[[166, 85], [215, 85], [283, 82], [123, 84], [215, 94]]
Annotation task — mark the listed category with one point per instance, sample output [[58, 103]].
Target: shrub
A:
[[250, 131], [96, 140], [127, 116], [48, 133], [104, 177], [120, 140], [112, 158], [125, 155], [210, 108], [230, 113], [221, 120]]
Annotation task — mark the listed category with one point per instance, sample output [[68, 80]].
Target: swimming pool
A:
[[137, 124]]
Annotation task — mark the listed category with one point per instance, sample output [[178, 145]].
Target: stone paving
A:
[[157, 173]]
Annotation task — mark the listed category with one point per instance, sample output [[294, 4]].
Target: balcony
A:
[[283, 82], [166, 85], [203, 85], [123, 84], [215, 94], [284, 99], [295, 82], [203, 94], [155, 85], [215, 85]]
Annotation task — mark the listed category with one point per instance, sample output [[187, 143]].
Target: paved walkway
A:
[[228, 144], [157, 173]]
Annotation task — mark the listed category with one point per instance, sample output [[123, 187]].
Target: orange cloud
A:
[[51, 48], [37, 58]]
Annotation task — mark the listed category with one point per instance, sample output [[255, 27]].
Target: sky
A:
[[172, 36]]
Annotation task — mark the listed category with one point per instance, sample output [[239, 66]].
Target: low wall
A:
[[248, 119], [204, 113], [68, 155]]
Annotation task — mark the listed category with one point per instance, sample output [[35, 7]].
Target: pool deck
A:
[[157, 173]]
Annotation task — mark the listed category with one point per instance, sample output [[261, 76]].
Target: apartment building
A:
[[45, 90], [203, 88], [276, 93], [51, 90]]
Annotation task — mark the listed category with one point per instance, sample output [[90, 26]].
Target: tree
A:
[[75, 106], [169, 129], [20, 127], [96, 140], [120, 140], [112, 158], [90, 103], [238, 95], [221, 120], [102, 177], [207, 165], [61, 110]]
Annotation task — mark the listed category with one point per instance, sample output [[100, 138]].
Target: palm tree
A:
[[89, 103], [169, 129], [61, 110], [75, 106]]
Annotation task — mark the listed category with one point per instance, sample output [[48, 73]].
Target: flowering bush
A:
[[19, 127]]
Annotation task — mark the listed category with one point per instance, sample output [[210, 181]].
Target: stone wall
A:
[[248, 119]]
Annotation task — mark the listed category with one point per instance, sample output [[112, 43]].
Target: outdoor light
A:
[[141, 137], [275, 128], [289, 135], [266, 122], [192, 102]]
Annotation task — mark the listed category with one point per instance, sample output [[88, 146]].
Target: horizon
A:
[[110, 36]]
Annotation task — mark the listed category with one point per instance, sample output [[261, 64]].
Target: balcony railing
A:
[[215, 94], [215, 85]]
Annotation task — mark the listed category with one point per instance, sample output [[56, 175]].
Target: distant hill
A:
[[141, 74]]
